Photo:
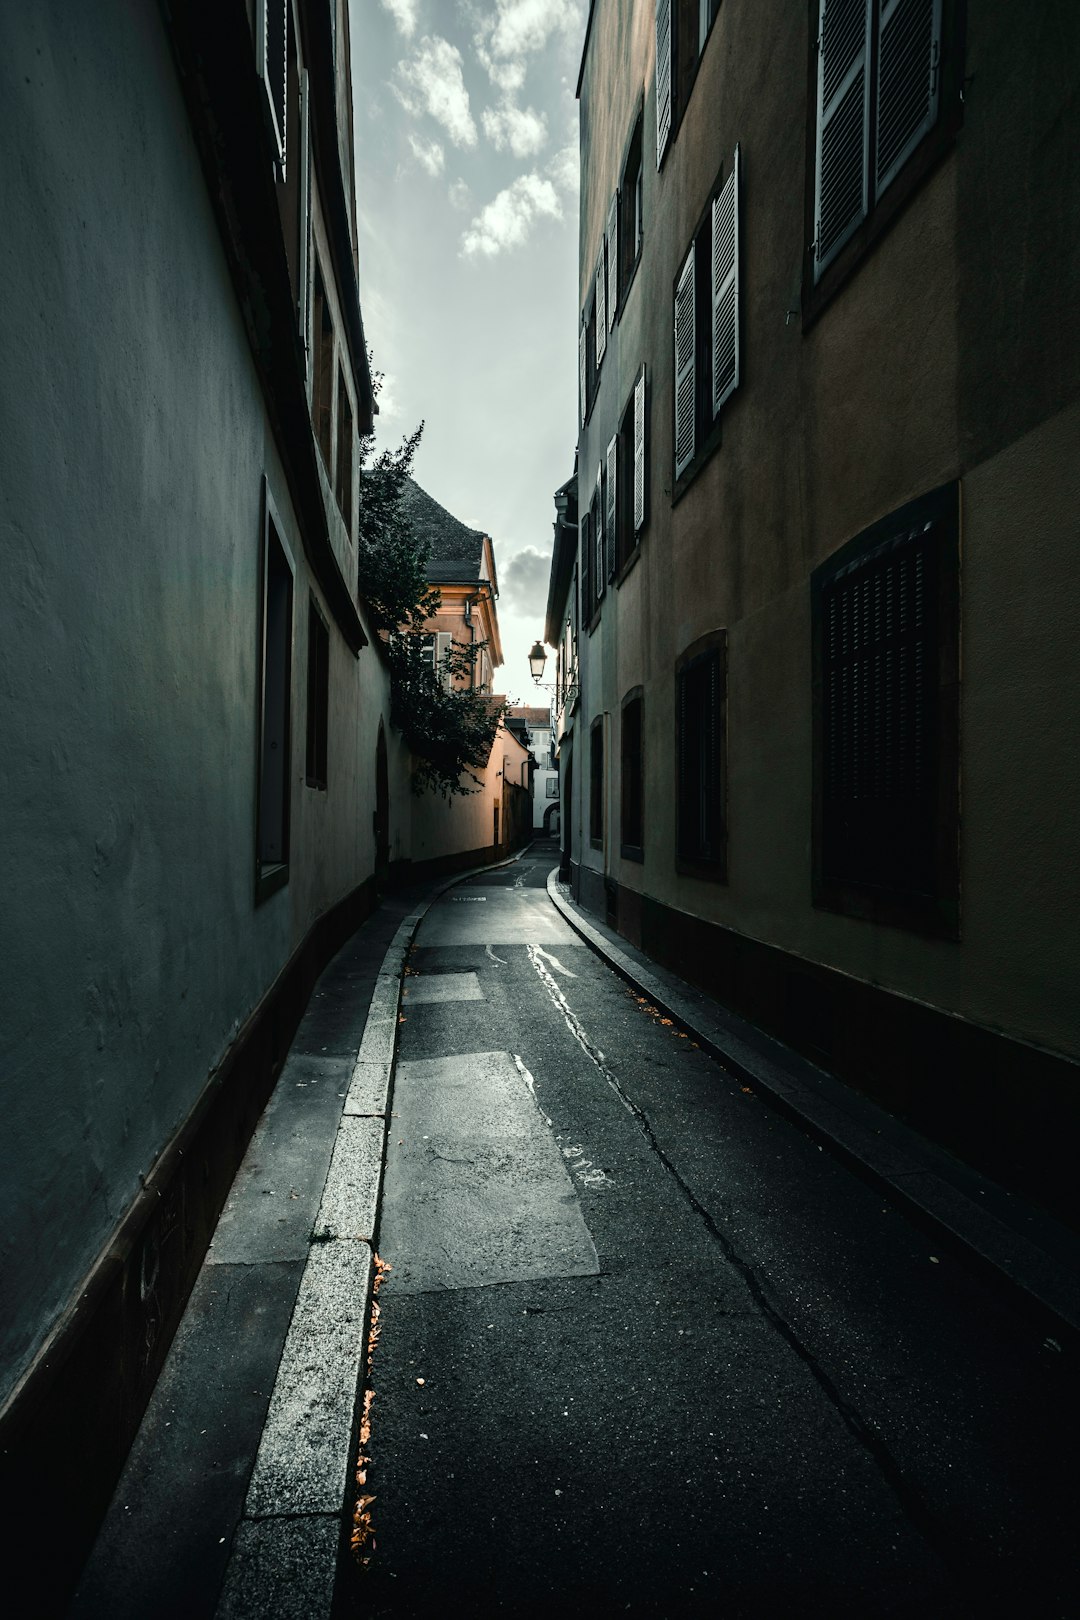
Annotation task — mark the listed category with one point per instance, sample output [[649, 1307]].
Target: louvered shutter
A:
[[843, 125], [599, 571], [586, 572], [725, 289], [639, 452], [612, 259], [272, 61], [610, 513], [685, 378], [601, 310], [663, 78], [305, 214], [909, 52], [583, 370]]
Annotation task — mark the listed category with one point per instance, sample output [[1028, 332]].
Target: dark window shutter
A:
[[725, 289], [601, 310], [639, 452], [909, 51], [699, 745], [663, 78], [272, 58], [611, 514], [843, 125], [612, 259], [685, 381], [599, 571], [583, 370]]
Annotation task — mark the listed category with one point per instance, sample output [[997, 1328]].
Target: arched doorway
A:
[[382, 811]]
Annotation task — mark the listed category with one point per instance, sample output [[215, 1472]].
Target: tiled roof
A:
[[531, 716], [456, 551]]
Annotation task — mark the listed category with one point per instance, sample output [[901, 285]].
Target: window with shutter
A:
[[879, 93], [725, 289], [601, 309], [443, 640], [639, 452], [685, 359], [305, 212], [586, 570], [699, 740], [599, 569], [275, 684], [612, 248], [611, 504], [272, 62], [886, 637], [633, 776], [663, 78], [596, 783], [583, 370]]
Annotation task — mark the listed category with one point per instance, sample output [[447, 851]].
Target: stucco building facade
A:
[[826, 573]]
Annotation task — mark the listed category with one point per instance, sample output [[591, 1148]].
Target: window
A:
[[626, 470], [633, 776], [700, 736], [275, 676], [318, 696], [587, 361], [630, 216], [322, 386], [551, 788], [883, 70], [886, 676], [596, 783], [682, 28], [707, 352], [344, 469], [586, 569]]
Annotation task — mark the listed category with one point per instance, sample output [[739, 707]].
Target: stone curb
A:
[[283, 1561], [878, 1147]]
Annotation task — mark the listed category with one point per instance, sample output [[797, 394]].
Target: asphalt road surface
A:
[[647, 1349]]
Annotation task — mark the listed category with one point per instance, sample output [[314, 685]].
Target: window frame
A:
[[597, 783], [322, 368], [631, 196], [818, 292], [708, 428], [632, 849], [686, 18], [714, 867], [938, 913]]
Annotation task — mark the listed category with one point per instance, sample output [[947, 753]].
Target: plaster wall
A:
[[465, 822], [952, 352], [133, 450]]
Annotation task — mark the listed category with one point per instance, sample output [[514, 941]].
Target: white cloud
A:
[[429, 154], [565, 169], [404, 14], [509, 77], [521, 26], [432, 82], [508, 219], [523, 581], [460, 194], [522, 129]]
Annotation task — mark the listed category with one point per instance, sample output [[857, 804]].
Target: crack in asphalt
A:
[[911, 1500]]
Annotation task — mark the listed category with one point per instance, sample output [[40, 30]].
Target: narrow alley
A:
[[645, 1346]]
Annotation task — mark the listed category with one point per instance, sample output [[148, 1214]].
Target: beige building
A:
[[825, 753]]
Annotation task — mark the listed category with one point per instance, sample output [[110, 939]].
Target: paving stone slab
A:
[[351, 1195]]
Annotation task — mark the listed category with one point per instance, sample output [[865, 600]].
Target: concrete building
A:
[[204, 792], [824, 759]]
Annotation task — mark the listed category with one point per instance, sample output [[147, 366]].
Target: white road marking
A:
[[593, 1053], [494, 958], [531, 1083], [556, 964]]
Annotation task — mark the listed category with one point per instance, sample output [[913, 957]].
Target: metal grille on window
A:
[[879, 717], [843, 125]]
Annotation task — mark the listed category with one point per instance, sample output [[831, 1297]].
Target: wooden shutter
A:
[[443, 639], [725, 289], [843, 125], [272, 62], [639, 452], [586, 572], [612, 259], [663, 78], [601, 310], [599, 571], [583, 370], [305, 215], [909, 51], [685, 375], [611, 514]]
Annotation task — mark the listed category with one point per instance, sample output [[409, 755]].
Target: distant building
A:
[[824, 760], [561, 632], [462, 566], [536, 722]]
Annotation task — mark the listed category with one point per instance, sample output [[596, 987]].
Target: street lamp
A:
[[537, 660]]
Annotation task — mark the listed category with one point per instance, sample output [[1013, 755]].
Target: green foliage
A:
[[449, 733]]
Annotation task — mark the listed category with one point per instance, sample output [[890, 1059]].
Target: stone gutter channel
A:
[[1033, 1256]]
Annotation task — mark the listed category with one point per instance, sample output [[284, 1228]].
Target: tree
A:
[[449, 728]]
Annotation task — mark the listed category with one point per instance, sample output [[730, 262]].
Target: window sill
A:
[[631, 277], [713, 440], [925, 914], [269, 879], [711, 871], [596, 843], [632, 852]]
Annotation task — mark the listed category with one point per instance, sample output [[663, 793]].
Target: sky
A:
[[467, 208]]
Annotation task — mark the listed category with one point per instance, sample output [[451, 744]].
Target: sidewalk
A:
[[236, 1481], [1032, 1255]]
